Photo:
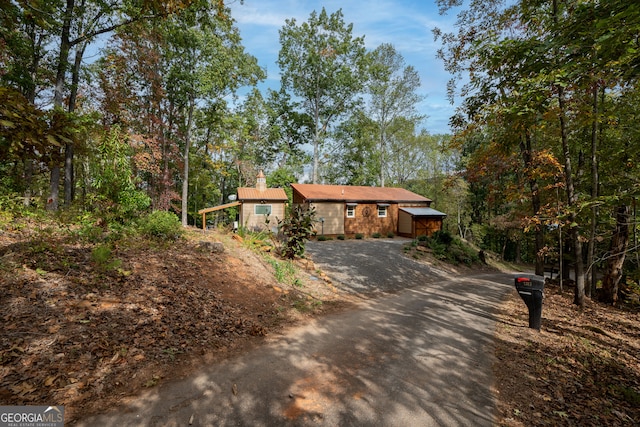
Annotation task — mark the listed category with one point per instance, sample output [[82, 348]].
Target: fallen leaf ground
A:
[[581, 369], [87, 331]]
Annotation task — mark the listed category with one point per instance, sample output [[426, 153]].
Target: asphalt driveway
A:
[[418, 354], [370, 266]]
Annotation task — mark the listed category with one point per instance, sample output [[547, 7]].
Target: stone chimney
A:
[[261, 182]]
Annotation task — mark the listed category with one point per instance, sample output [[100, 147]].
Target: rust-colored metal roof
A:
[[352, 193], [251, 193]]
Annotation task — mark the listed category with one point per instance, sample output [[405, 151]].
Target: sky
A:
[[406, 24]]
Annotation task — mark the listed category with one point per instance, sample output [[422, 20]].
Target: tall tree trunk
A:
[[28, 179], [591, 289], [30, 94], [316, 147], [635, 229], [572, 200], [69, 176], [572, 197], [54, 188], [527, 158], [63, 56], [617, 254], [503, 252], [187, 147], [63, 64], [383, 149]]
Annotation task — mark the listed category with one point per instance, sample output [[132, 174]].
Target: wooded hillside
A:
[[541, 166]]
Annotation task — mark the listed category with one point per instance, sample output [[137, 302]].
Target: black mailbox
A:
[[531, 290]]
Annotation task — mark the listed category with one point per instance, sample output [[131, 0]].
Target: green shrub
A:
[[255, 239], [296, 228], [451, 249], [102, 256], [390, 235], [284, 271], [340, 237], [90, 233], [443, 236], [161, 225], [422, 238], [12, 209], [6, 219], [376, 235], [359, 236], [116, 197], [439, 250], [322, 238]]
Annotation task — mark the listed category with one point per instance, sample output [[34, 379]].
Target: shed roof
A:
[[424, 212], [353, 193], [272, 194]]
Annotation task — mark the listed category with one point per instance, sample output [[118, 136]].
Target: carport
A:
[[204, 212]]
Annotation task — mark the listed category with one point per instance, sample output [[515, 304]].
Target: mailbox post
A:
[[531, 290]]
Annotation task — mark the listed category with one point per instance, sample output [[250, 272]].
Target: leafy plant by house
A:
[[296, 228]]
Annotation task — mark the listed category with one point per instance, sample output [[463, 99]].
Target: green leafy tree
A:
[[535, 69], [282, 178], [206, 63], [289, 128], [116, 196], [392, 88], [356, 162], [44, 43], [322, 65]]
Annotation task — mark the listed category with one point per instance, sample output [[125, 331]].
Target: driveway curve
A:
[[368, 267], [419, 353]]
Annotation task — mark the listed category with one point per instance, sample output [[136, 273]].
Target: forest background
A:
[[541, 166]]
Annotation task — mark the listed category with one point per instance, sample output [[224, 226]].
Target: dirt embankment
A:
[[85, 330]]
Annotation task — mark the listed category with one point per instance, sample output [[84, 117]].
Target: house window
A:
[[382, 211], [351, 211], [262, 209]]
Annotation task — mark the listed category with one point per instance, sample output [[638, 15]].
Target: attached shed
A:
[[260, 206], [415, 221], [349, 210]]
